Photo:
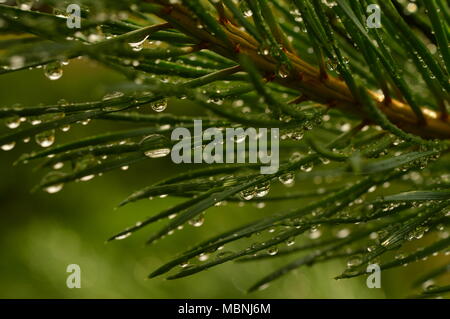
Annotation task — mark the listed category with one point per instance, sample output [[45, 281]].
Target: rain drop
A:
[[307, 167], [53, 71], [58, 165], [13, 122], [9, 146], [248, 194], [45, 139], [197, 221], [87, 178], [123, 236], [287, 179], [290, 241], [138, 46], [355, 261], [112, 96], [272, 251], [162, 152], [159, 106], [54, 188], [262, 190], [283, 71]]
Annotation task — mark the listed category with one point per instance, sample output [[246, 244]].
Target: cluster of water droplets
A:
[[296, 134], [258, 191], [44, 139]]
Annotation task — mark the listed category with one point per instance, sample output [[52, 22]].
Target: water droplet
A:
[[248, 194], [290, 241], [247, 13], [262, 190], [427, 284], [112, 96], [307, 167], [283, 71], [54, 188], [297, 135], [152, 146], [159, 106], [58, 165], [126, 235], [315, 233], [343, 233], [13, 122], [287, 179], [87, 178], [95, 37], [45, 139], [263, 287], [9, 146], [53, 71], [260, 205], [162, 152], [24, 4], [85, 122], [16, 61], [272, 251], [197, 221], [264, 50], [35, 121], [355, 261], [138, 46]]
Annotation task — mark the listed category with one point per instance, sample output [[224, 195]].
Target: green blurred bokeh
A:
[[41, 234]]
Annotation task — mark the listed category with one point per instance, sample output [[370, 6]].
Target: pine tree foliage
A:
[[362, 113]]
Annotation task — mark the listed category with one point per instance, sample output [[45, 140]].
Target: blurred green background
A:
[[41, 234]]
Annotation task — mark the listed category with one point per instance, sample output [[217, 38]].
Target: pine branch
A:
[[303, 77], [362, 115]]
